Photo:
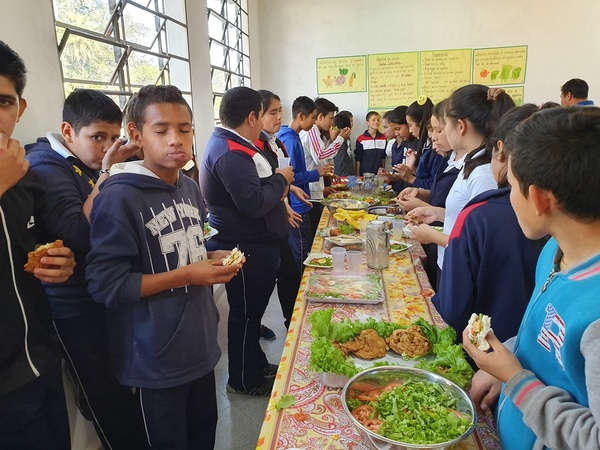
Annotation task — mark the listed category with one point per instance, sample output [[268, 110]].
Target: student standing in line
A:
[[472, 114], [149, 266], [343, 160], [423, 162], [486, 248], [289, 276], [370, 146], [548, 377], [304, 112], [316, 153], [412, 197], [71, 166], [245, 197], [403, 140], [33, 411]]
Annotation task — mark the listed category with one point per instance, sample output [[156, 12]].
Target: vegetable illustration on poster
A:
[[499, 66], [341, 75]]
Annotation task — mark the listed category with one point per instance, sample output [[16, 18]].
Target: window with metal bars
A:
[[229, 47], [118, 46]]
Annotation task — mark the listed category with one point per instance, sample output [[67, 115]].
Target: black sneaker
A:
[[259, 391], [266, 333], [269, 371]]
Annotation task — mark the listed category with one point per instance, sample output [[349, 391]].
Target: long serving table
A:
[[317, 420]]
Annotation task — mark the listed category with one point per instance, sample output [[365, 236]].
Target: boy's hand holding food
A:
[[500, 362], [426, 214], [55, 264], [326, 169]]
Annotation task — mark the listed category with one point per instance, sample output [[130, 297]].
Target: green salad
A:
[[409, 411]]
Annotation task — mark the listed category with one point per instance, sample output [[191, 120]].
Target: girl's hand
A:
[[499, 363], [423, 233], [411, 203], [427, 214], [408, 193], [411, 158], [59, 263]]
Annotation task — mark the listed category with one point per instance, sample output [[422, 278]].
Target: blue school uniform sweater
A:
[[68, 183], [242, 192], [302, 177], [489, 266], [428, 167], [141, 224], [370, 152]]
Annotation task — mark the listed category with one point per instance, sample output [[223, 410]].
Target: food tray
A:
[[398, 246], [325, 287], [343, 240], [325, 262]]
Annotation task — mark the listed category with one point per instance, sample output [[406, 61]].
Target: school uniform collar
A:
[[58, 145], [455, 164]]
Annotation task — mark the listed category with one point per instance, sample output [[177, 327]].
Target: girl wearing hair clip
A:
[[471, 117]]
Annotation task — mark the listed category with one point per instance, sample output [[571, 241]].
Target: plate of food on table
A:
[[319, 261], [345, 347]]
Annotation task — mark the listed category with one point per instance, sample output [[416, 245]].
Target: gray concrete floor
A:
[[241, 416]]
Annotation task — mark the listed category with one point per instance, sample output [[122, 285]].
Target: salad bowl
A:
[[366, 396]]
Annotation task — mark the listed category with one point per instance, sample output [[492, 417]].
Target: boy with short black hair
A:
[[304, 113], [316, 152], [33, 412], [551, 395], [71, 166], [150, 268], [244, 195], [370, 146], [344, 158]]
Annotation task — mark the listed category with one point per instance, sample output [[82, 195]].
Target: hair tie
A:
[[422, 100], [493, 93]]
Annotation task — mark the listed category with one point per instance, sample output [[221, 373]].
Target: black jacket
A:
[[29, 345]]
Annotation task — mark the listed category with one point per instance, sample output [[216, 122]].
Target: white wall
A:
[[28, 28], [563, 39]]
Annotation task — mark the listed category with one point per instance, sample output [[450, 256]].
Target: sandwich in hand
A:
[[477, 329], [235, 257], [34, 257]]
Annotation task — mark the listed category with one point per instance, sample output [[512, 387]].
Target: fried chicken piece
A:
[[410, 342], [367, 345], [34, 257]]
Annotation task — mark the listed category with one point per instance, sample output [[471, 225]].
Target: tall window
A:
[[229, 47], [118, 46]]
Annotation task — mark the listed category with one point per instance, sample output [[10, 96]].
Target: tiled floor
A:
[[241, 416]]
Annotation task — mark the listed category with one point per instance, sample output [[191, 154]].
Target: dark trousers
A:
[[35, 415], [300, 240], [248, 295], [182, 417], [114, 408], [431, 267], [288, 282]]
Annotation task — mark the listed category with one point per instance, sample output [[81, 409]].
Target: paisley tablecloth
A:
[[317, 420]]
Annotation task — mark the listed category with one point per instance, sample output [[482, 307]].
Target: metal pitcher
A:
[[378, 245]]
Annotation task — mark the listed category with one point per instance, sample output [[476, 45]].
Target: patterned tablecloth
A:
[[322, 423]]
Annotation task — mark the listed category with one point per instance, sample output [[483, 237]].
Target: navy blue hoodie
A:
[[489, 266], [243, 194], [141, 224], [68, 183]]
